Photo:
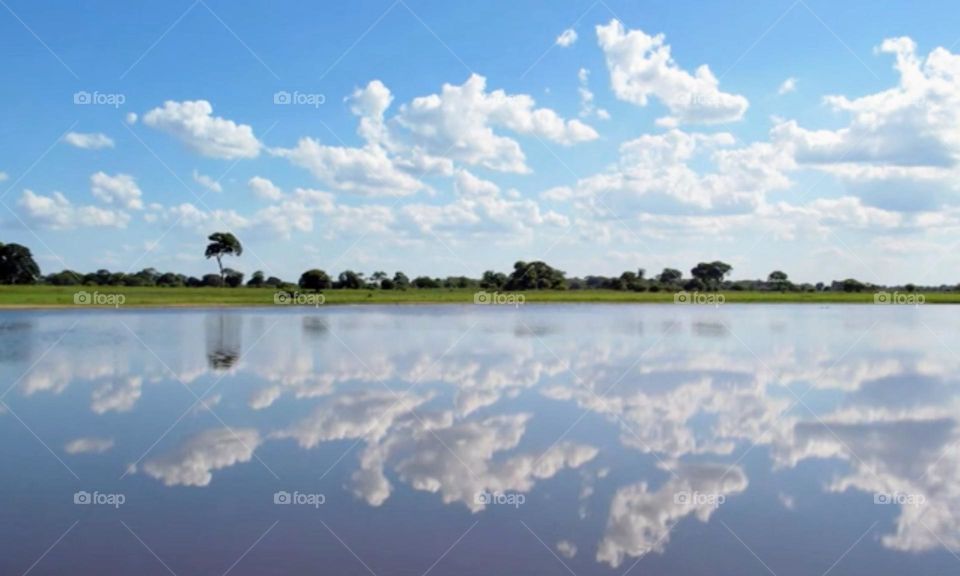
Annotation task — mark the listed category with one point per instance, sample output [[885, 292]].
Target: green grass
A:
[[63, 296]]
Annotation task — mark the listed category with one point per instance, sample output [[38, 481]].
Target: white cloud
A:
[[641, 66], [789, 85], [379, 168], [121, 189], [131, 118], [640, 521], [88, 446], [193, 462], [91, 141], [365, 171], [264, 189], [657, 174], [56, 212], [190, 216], [480, 210], [193, 123], [587, 107], [567, 38], [116, 395], [900, 149], [427, 463], [459, 123], [910, 128], [370, 104], [566, 549], [207, 182], [367, 415]]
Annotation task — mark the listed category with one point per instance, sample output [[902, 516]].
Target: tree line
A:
[[17, 266]]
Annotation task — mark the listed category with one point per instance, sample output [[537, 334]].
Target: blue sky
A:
[[451, 138]]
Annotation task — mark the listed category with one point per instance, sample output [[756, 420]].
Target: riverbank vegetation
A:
[[538, 281]]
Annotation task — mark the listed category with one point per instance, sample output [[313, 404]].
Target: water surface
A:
[[481, 440]]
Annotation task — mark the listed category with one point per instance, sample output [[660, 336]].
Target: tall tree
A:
[[17, 265], [535, 276], [711, 274], [350, 280], [223, 244], [670, 276], [778, 279], [315, 280], [401, 281]]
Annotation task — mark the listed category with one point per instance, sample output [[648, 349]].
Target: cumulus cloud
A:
[[188, 215], [370, 104], [88, 141], [566, 548], [640, 520], [88, 445], [911, 126], [641, 66], [264, 189], [120, 189], [117, 395], [56, 212], [193, 123], [378, 168], [789, 85], [298, 210], [367, 415], [365, 171], [900, 146], [656, 173], [587, 107], [459, 122], [195, 460], [567, 38], [427, 462], [207, 182], [480, 209]]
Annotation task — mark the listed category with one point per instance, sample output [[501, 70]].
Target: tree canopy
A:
[[711, 274], [17, 265], [223, 244], [315, 280], [535, 276]]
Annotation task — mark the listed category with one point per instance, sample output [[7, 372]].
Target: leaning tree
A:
[[223, 244]]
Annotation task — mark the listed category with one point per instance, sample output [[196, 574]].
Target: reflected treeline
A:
[[17, 336]]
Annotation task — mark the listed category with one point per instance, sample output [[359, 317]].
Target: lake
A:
[[538, 439]]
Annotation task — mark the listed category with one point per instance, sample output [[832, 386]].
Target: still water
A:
[[481, 440]]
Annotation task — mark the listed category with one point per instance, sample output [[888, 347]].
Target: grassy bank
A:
[[63, 296]]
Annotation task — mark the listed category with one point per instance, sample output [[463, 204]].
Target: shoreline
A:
[[18, 298]]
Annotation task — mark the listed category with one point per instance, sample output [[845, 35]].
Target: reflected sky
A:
[[481, 440]]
